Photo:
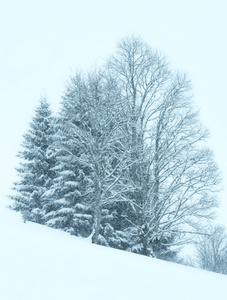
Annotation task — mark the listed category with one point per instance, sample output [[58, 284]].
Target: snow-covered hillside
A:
[[40, 263]]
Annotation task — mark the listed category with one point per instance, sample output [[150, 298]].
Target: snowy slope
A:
[[37, 262]]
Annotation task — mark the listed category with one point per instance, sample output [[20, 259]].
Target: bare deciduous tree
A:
[[173, 176], [96, 132], [211, 250]]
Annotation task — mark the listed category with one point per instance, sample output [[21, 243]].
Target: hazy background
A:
[[43, 42]]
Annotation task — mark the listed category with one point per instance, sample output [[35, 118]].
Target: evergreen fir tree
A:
[[67, 206], [35, 169]]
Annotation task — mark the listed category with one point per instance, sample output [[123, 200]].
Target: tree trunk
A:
[[98, 209]]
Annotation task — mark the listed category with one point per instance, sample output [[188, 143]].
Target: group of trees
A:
[[125, 161], [211, 250]]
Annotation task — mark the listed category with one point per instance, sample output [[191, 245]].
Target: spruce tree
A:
[[67, 206], [35, 169]]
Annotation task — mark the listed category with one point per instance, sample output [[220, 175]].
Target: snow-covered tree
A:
[[211, 250], [173, 176], [89, 167], [67, 202], [35, 169]]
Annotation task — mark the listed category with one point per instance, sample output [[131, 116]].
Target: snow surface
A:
[[37, 262]]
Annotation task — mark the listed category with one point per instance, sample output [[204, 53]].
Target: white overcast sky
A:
[[43, 42]]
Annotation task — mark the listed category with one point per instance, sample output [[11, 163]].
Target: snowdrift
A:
[[40, 263]]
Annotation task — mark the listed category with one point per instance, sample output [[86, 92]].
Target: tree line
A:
[[125, 161]]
